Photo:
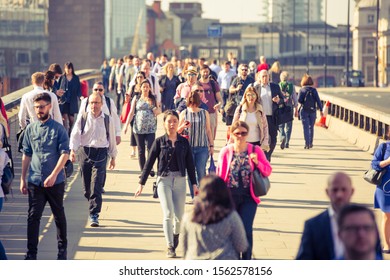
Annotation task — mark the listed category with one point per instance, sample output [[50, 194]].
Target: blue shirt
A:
[[45, 143]]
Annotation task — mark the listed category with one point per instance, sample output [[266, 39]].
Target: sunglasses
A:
[[242, 133], [192, 75], [98, 89], [244, 69]]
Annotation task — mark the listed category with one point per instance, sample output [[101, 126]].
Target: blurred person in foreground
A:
[[359, 233], [213, 230]]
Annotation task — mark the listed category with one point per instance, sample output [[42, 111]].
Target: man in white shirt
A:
[[225, 78], [112, 111], [320, 240], [27, 112], [95, 136]]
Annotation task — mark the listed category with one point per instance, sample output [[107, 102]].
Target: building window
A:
[[23, 57], [2, 57], [369, 46], [204, 53], [370, 18]]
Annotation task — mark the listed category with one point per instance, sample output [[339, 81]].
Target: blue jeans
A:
[[308, 120], [285, 131], [200, 155], [246, 208], [3, 256], [172, 193]]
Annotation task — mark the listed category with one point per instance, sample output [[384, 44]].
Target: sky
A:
[[242, 10]]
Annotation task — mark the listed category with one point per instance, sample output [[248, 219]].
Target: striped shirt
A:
[[197, 130]]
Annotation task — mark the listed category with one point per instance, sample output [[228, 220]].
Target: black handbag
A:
[[261, 184], [231, 105], [155, 193], [375, 176], [283, 114]]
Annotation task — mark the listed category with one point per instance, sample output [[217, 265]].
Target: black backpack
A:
[[309, 103]]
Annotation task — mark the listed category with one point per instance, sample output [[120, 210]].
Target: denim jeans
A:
[[285, 130], [246, 208], [3, 256], [172, 193], [308, 120], [200, 155], [93, 165], [37, 198]]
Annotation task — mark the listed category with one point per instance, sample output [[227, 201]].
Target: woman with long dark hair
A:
[[134, 92], [213, 230], [174, 157], [48, 84], [69, 101], [144, 110], [235, 165]]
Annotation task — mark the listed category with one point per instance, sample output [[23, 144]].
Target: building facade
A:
[[125, 27], [23, 41]]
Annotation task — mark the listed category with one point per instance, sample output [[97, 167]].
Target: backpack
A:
[[214, 88], [309, 103], [106, 123], [8, 171], [108, 102]]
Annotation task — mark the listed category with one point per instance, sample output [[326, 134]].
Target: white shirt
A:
[[94, 135], [225, 78], [266, 98], [216, 68], [337, 244], [27, 111], [105, 110], [254, 131]]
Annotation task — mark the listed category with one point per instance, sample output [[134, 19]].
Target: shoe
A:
[[386, 251], [311, 146], [306, 147], [287, 146], [94, 220], [62, 254], [30, 257], [283, 144], [103, 190], [132, 155], [171, 252], [175, 241], [152, 173]]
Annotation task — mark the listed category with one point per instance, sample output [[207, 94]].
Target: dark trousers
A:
[[273, 133], [120, 96], [93, 162], [37, 198], [246, 208], [142, 141]]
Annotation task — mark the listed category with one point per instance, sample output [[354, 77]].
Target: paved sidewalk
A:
[[132, 228]]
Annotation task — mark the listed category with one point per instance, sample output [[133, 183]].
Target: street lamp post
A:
[[308, 37], [293, 66], [377, 45], [326, 46], [347, 74]]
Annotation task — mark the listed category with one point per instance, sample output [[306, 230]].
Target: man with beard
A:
[[45, 151]]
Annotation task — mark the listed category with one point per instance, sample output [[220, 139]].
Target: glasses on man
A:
[[356, 228], [241, 133], [192, 75], [244, 69], [39, 107], [198, 90], [98, 89]]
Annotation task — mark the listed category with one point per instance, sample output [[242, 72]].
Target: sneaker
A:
[[171, 252], [30, 257], [287, 146], [94, 220], [62, 254], [283, 144], [152, 173], [132, 155], [175, 241]]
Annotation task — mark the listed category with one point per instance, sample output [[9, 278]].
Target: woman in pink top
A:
[[236, 163]]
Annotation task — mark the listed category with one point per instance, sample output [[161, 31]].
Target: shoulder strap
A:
[[108, 102], [384, 150], [107, 125], [86, 104], [213, 87], [83, 121]]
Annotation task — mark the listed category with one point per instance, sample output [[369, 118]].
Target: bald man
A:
[[320, 239]]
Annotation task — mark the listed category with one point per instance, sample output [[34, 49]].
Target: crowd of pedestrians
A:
[[59, 126]]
